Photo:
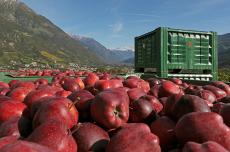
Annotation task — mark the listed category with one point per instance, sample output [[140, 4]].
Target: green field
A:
[[5, 78], [224, 75]]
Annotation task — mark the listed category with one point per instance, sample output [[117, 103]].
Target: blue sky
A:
[[115, 23]]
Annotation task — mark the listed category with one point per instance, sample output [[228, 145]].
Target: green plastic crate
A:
[[185, 54]]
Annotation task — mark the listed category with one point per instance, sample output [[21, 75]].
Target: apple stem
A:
[[116, 112], [76, 101], [76, 129], [69, 132]]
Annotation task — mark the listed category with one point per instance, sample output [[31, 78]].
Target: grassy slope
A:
[[25, 39]]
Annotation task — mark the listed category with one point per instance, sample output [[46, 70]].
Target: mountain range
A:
[[224, 51], [110, 56], [27, 37]]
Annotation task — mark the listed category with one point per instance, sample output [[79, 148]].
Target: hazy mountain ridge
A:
[[110, 56], [224, 42], [27, 37], [224, 50]]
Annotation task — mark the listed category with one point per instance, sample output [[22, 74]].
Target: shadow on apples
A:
[[99, 146]]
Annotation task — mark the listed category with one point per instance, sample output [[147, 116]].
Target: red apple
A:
[[46, 73], [13, 83], [102, 85], [57, 78], [153, 82], [70, 73], [10, 127], [105, 76], [201, 127], [92, 90], [27, 84], [141, 110], [168, 88], [63, 93], [25, 146], [163, 101], [176, 81], [188, 104], [36, 105], [137, 83], [91, 79], [184, 85], [219, 93], [222, 86], [170, 103], [70, 85], [110, 108], [107, 84], [217, 107], [36, 95], [3, 85], [4, 98], [131, 82], [116, 83], [192, 89], [90, 137], [163, 128], [79, 73], [31, 111], [54, 135], [143, 85], [225, 112], [208, 146], [7, 140], [156, 105], [10, 109], [79, 81], [82, 100], [4, 91], [60, 109], [207, 95], [51, 87], [39, 73], [134, 137], [41, 81], [135, 94], [155, 90], [19, 93]]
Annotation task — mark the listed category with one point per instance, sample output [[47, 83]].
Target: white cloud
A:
[[117, 27]]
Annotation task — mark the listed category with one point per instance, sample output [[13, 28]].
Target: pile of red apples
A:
[[102, 113], [32, 72]]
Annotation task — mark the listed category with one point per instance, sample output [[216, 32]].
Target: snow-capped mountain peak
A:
[[123, 49]]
